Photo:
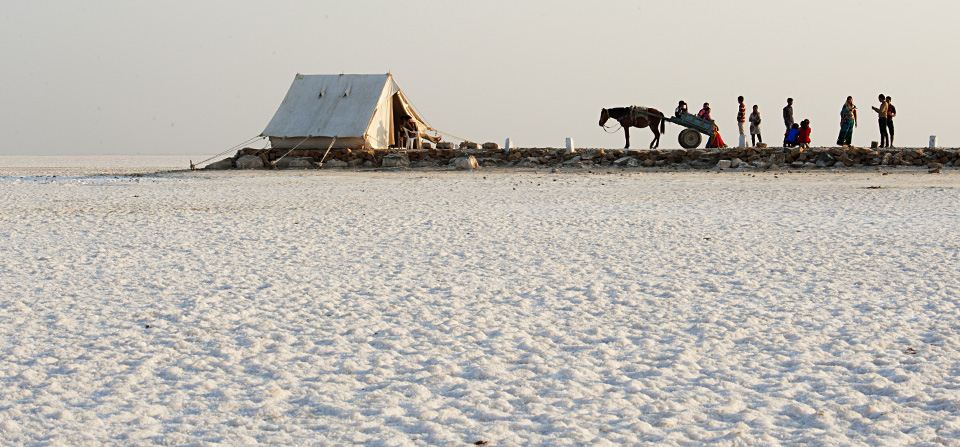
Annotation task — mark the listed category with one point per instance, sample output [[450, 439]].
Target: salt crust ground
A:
[[445, 308]]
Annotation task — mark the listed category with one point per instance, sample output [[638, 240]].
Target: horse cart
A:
[[690, 137], [636, 116]]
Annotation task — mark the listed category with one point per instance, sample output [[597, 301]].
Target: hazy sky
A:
[[197, 77]]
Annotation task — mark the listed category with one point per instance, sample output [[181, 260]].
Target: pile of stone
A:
[[490, 155]]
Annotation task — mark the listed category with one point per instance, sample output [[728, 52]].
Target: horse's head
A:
[[604, 116]]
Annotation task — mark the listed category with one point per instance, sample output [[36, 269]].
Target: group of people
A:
[[885, 114], [798, 134], [704, 113]]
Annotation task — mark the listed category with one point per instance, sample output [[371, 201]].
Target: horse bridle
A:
[[606, 129]]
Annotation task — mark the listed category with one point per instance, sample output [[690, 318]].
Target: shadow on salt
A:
[[86, 180]]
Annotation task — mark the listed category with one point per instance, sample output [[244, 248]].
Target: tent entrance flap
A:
[[395, 137], [402, 109]]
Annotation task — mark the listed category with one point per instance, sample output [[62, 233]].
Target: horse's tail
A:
[[663, 122]]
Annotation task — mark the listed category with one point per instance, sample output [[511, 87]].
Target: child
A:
[[681, 110], [741, 114], [803, 137], [704, 111], [790, 138], [755, 126]]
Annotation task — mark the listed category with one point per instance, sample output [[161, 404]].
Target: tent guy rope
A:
[[274, 162], [434, 128], [193, 166]]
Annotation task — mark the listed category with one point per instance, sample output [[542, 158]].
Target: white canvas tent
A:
[[360, 110]]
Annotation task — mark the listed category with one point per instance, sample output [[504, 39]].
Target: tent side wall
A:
[[316, 143], [319, 107]]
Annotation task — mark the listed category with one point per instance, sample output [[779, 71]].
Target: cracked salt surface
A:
[[445, 308]]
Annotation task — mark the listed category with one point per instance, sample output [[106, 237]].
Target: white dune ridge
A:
[[446, 308]]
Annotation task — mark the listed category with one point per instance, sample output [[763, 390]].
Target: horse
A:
[[635, 117]]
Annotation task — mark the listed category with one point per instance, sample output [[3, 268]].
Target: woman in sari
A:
[[848, 120], [715, 140]]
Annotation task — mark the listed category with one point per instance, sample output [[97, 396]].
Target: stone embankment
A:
[[726, 158]]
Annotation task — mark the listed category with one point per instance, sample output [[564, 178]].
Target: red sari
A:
[[716, 141]]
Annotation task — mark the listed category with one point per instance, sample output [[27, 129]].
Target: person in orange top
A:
[[803, 139]]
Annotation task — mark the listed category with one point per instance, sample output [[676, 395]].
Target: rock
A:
[[428, 162], [249, 162], [301, 163], [797, 164], [469, 145], [934, 165], [592, 154], [368, 164], [703, 162], [632, 163], [294, 163], [649, 163], [226, 163], [526, 162], [356, 162], [426, 145], [491, 145], [395, 161], [466, 162], [331, 164], [573, 161], [825, 160], [724, 164], [735, 163], [445, 145], [622, 160]]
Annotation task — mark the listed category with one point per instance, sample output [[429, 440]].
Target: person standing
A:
[[741, 115], [882, 120], [788, 114], [891, 112], [848, 120], [755, 126]]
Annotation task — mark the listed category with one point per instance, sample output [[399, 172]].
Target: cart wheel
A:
[[689, 138]]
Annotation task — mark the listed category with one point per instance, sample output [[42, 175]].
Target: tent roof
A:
[[330, 105]]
